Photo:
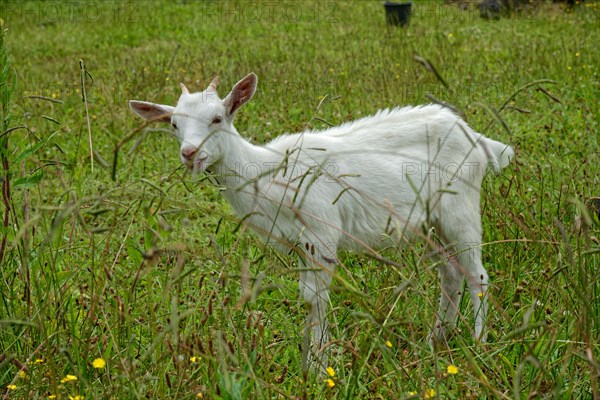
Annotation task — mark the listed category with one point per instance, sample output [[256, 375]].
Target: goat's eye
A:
[[174, 125], [216, 120]]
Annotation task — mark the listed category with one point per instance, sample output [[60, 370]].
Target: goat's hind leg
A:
[[451, 279], [468, 256], [478, 281], [463, 233]]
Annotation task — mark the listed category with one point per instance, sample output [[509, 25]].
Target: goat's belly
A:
[[376, 227]]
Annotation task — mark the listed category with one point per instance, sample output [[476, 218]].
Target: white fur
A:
[[359, 186]]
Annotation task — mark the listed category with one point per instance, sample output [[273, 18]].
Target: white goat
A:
[[359, 186]]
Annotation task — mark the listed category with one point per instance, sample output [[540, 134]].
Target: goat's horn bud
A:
[[184, 90], [213, 84]]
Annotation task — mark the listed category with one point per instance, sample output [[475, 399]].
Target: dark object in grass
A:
[[596, 206], [570, 3], [397, 14], [490, 9]]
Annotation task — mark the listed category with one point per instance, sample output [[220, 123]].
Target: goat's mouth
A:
[[198, 164]]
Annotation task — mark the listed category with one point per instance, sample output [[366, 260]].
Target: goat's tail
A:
[[498, 154]]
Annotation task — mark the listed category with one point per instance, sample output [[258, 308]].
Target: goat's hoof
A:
[[440, 335], [480, 340], [436, 338]]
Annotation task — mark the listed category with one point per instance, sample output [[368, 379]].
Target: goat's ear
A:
[[240, 94], [151, 111]]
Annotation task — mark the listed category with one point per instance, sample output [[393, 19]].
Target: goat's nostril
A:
[[188, 152]]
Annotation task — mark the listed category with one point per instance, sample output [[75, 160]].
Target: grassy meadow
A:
[[122, 276]]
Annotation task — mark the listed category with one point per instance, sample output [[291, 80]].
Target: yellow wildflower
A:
[[429, 393], [76, 397], [22, 374], [11, 387], [330, 382], [194, 359], [199, 395], [388, 344], [52, 396], [330, 372], [413, 393], [452, 370], [480, 294], [68, 378], [38, 361], [99, 363]]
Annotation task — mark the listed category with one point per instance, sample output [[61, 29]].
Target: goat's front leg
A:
[[315, 279]]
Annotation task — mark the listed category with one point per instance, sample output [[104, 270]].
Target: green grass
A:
[[146, 271]]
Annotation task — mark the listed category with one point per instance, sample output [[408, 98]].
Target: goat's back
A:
[[396, 171]]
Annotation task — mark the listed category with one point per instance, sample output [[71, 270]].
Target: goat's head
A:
[[201, 119]]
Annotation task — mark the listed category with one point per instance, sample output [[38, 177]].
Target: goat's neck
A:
[[241, 164]]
